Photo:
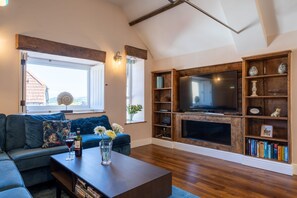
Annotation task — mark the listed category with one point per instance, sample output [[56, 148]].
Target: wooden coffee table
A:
[[125, 177]]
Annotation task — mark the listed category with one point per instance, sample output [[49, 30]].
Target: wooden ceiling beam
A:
[[175, 3], [156, 12], [51, 47]]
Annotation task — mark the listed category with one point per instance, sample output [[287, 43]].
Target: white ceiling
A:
[[183, 29]]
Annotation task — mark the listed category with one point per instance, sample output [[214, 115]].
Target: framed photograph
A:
[[266, 130], [251, 110]]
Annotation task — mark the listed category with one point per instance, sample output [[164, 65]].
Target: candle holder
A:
[[254, 88]]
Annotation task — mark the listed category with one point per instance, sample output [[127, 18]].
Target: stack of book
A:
[[83, 190], [268, 150]]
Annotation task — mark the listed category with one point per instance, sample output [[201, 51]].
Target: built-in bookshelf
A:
[[266, 136], [164, 103]]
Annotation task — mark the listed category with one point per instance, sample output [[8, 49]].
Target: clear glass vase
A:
[[105, 150], [131, 117]]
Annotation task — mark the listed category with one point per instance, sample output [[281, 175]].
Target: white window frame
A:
[[130, 84], [95, 81]]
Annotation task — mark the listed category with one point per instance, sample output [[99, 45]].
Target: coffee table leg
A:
[[58, 191]]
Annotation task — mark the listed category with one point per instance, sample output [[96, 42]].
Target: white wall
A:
[[227, 54], [94, 24]]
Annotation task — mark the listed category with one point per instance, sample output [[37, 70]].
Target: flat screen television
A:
[[215, 92]]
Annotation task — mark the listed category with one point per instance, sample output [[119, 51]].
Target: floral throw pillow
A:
[[55, 132]]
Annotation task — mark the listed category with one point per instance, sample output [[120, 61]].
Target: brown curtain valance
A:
[[51, 47], [136, 52]]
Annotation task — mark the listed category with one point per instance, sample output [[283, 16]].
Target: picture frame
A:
[[253, 110], [266, 131]]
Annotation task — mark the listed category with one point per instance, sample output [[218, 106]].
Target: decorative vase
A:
[[160, 82], [282, 68], [253, 71], [131, 116], [105, 150], [254, 88]]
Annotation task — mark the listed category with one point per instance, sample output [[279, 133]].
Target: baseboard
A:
[[278, 167], [164, 143], [141, 142], [294, 169], [224, 155]]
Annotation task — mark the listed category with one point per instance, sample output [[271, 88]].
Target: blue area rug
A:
[[48, 190], [178, 193]]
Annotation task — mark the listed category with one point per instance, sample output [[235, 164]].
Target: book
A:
[[269, 153], [258, 149], [261, 149], [286, 158], [275, 154], [279, 153], [283, 153], [249, 147], [252, 147], [265, 149]]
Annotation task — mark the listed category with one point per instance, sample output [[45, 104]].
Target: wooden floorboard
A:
[[210, 177]]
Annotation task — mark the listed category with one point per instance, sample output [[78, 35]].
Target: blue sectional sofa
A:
[[25, 166]]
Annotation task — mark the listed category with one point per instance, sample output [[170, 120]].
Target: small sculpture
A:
[[282, 68], [254, 88], [66, 99], [253, 71], [276, 113]]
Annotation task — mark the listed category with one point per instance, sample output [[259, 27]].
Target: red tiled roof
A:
[[35, 90]]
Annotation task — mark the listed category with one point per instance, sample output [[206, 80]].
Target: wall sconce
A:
[[3, 2], [117, 57]]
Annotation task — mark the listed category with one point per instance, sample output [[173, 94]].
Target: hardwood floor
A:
[[210, 177]]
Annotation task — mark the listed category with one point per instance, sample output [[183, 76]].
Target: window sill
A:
[[70, 113], [135, 122], [85, 112]]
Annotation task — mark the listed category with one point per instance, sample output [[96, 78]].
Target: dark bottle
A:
[[78, 144]]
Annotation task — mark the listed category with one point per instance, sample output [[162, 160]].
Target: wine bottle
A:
[[78, 144]]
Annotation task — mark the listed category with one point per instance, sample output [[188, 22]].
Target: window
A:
[[46, 76], [135, 86]]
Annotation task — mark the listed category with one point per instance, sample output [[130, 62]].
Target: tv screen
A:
[[216, 92]]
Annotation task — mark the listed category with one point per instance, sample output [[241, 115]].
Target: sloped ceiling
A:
[[183, 29]]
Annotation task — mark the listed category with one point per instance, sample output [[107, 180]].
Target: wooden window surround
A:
[[51, 47], [136, 52]]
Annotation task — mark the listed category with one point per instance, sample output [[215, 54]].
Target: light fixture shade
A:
[[3, 2], [117, 57]]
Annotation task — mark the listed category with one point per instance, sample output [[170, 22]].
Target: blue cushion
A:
[[27, 159], [10, 176], [87, 125], [92, 140], [34, 128], [19, 192], [55, 132], [15, 132], [2, 131]]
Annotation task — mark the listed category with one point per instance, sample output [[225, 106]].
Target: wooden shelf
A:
[[164, 98], [158, 102], [164, 138], [274, 91], [165, 88], [266, 138], [266, 117], [163, 112], [162, 125], [266, 76], [259, 97]]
